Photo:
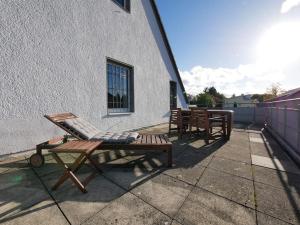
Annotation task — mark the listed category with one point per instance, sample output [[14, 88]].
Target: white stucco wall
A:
[[53, 59]]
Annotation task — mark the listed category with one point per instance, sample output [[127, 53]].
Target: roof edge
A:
[[166, 42]]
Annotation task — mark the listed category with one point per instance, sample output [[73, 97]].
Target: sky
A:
[[238, 46]]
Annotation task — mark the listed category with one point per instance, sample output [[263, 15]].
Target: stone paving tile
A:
[[51, 165], [129, 209], [191, 158], [78, 207], [267, 150], [273, 163], [174, 222], [277, 178], [18, 177], [50, 179], [13, 164], [263, 219], [43, 213], [19, 190], [190, 175], [229, 186], [129, 178], [164, 193], [188, 166], [278, 203], [234, 154], [203, 207], [233, 167]]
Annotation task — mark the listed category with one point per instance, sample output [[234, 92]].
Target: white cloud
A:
[[245, 79], [287, 5]]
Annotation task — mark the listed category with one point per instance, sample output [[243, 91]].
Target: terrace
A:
[[247, 180]]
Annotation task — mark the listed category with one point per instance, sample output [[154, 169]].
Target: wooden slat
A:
[[77, 147]]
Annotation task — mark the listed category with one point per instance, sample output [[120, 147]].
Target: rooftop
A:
[[247, 180]]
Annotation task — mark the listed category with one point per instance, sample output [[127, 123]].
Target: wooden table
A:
[[219, 112], [85, 148]]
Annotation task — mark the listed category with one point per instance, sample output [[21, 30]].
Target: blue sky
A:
[[216, 40]]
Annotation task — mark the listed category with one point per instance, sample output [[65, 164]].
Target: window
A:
[[125, 4], [173, 95], [120, 87]]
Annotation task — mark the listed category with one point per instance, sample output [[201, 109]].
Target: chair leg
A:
[[207, 136], [170, 157]]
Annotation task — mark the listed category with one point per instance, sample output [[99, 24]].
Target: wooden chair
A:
[[200, 119], [178, 120]]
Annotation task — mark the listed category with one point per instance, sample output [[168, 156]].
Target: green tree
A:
[[205, 100]]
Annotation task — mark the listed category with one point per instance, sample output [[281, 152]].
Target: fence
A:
[[284, 124], [281, 118]]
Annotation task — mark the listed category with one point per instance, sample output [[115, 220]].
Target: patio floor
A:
[[248, 180]]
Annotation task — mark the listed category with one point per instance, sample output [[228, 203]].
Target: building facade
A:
[[107, 61]]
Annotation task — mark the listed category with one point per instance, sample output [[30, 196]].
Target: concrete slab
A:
[[276, 178], [51, 165], [276, 164], [256, 139], [237, 155], [279, 203], [164, 193], [129, 178], [13, 164], [129, 209], [233, 167], [229, 186], [267, 150], [15, 198], [174, 222], [43, 213], [18, 177], [78, 207], [263, 219], [203, 207], [190, 175], [188, 166]]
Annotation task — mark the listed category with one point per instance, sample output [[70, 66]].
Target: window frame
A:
[[175, 96], [126, 7], [130, 91]]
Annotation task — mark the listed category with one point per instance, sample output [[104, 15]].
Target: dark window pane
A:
[[118, 77], [121, 2]]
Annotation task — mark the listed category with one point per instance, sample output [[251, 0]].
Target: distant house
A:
[[289, 99], [239, 101], [108, 61]]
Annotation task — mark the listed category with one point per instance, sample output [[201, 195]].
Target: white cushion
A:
[[110, 137], [84, 128]]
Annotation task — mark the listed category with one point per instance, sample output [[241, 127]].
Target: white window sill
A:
[[119, 114]]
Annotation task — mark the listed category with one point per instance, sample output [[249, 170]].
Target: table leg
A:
[[69, 172], [229, 125]]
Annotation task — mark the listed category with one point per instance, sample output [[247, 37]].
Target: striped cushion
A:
[[82, 127], [110, 137], [89, 132]]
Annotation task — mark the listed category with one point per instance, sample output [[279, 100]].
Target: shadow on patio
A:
[[248, 180]]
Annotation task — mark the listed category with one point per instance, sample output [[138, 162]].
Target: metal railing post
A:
[[298, 128], [285, 121], [277, 119]]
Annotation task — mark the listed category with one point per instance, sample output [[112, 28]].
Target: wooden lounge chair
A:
[[143, 142]]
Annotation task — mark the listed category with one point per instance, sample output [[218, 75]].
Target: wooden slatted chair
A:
[[178, 121], [143, 142], [201, 119]]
